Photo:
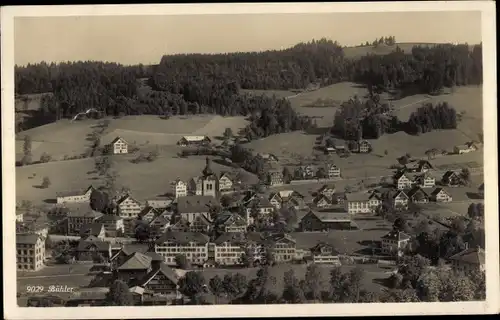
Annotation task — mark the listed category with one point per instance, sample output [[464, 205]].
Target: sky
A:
[[144, 39]]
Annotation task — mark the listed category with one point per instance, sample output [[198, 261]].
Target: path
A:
[[413, 103], [54, 276]]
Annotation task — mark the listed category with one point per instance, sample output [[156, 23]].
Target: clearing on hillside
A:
[[382, 49], [269, 93]]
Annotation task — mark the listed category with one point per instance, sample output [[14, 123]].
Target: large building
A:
[[470, 259], [229, 248], [30, 252], [191, 207], [358, 203], [194, 246], [395, 242], [325, 221], [79, 218], [76, 196], [325, 253]]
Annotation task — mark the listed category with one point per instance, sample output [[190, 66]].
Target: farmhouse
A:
[[135, 267], [90, 248], [417, 195], [325, 253], [79, 218], [400, 200], [180, 188], [275, 177], [192, 206], [230, 222], [148, 214], [465, 148], [113, 224], [327, 190], [419, 166], [321, 201], [118, 146], [451, 179], [128, 207], [332, 171], [259, 209], [403, 180], [425, 180], [471, 259], [194, 141], [161, 280], [324, 221], [440, 195], [374, 200], [229, 247], [225, 182], [30, 252], [275, 200], [357, 203], [77, 196], [395, 242], [194, 246]]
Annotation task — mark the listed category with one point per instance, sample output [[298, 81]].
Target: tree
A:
[[247, 259], [400, 224], [465, 177], [429, 286], [411, 268], [191, 284], [457, 287], [292, 291], [45, 157], [287, 175], [228, 133], [235, 285], [142, 231], [181, 261], [119, 294], [99, 200], [312, 281], [45, 182], [27, 158], [321, 173], [352, 285], [216, 285], [336, 284], [400, 295]]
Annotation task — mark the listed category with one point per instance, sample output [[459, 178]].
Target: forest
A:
[[211, 83]]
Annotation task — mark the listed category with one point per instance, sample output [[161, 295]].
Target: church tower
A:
[[209, 184]]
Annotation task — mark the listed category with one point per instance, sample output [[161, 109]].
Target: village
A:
[[214, 221]]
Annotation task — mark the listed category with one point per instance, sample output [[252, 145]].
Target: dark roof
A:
[[260, 202], [154, 256], [254, 236], [438, 190], [72, 193], [93, 228], [27, 238], [146, 210], [327, 186], [396, 235], [471, 255], [129, 249], [109, 217], [162, 269], [189, 204], [203, 219], [358, 196], [232, 237], [125, 197], [279, 237], [328, 216], [448, 174], [481, 187], [183, 237], [85, 213], [414, 191], [136, 261], [116, 139], [84, 244], [399, 192], [317, 248], [319, 197]]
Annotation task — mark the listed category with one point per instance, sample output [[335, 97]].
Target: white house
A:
[[425, 180], [357, 203], [119, 146], [466, 148], [440, 195], [225, 182], [403, 181], [395, 242], [77, 196], [400, 200], [180, 188]]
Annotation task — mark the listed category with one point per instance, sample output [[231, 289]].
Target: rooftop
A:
[[396, 235], [136, 261], [189, 204], [27, 238], [73, 193], [183, 237], [471, 255]]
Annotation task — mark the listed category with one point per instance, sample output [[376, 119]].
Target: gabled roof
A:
[[231, 237], [260, 202], [289, 193], [416, 190], [471, 255], [274, 195], [202, 219], [328, 216], [131, 248], [72, 193], [254, 237], [183, 237], [321, 197], [226, 174], [85, 213], [147, 210], [136, 261], [27, 238], [316, 250], [400, 174], [93, 229], [375, 194], [84, 245], [437, 191], [327, 187], [125, 197], [481, 187], [118, 138], [163, 269], [195, 138], [448, 174], [400, 193], [358, 196], [190, 204], [396, 235], [160, 220], [280, 237], [226, 217], [109, 218]]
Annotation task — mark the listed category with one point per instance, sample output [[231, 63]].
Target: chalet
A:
[[451, 179], [419, 166], [118, 146], [77, 196], [79, 218], [93, 229], [180, 188], [148, 214], [395, 242], [90, 248], [194, 246], [200, 224], [322, 201], [192, 206], [275, 200], [282, 247], [259, 209], [440, 195], [357, 203], [128, 207], [465, 148], [230, 222], [159, 225], [229, 247], [113, 225], [161, 280], [327, 190], [374, 200], [324, 221], [403, 180], [332, 171], [296, 203], [179, 225], [417, 195], [194, 141], [225, 182], [325, 253], [425, 180], [400, 200], [135, 267], [339, 198], [160, 202], [275, 177], [470, 259], [269, 157]]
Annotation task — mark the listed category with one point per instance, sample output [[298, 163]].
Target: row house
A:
[[180, 188], [259, 209], [325, 253], [76, 196], [194, 246], [419, 166], [440, 195], [451, 179], [113, 225], [362, 202], [79, 218], [325, 221], [230, 222], [118, 146], [30, 252], [191, 207], [395, 242], [275, 177]]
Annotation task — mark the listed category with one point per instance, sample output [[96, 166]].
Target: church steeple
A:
[[208, 170]]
